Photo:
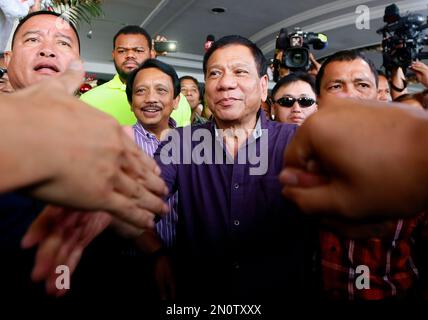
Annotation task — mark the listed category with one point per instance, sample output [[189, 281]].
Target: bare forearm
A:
[[23, 155], [398, 80]]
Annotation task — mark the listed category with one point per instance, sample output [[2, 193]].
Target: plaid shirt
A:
[[392, 266]]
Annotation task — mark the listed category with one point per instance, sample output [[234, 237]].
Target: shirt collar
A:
[[257, 132], [147, 134], [115, 83]]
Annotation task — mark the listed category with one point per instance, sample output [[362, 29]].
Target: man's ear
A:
[[264, 87], [176, 102], [273, 110], [7, 57], [153, 53]]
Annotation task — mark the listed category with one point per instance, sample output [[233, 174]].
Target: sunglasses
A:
[[2, 72], [288, 102]]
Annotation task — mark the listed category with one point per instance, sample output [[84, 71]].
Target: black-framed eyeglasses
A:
[[288, 102], [3, 71]]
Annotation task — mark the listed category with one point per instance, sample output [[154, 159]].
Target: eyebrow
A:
[[31, 32], [335, 81], [57, 35], [234, 65], [362, 79], [139, 47]]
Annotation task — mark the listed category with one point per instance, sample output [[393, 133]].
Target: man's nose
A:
[[46, 52], [351, 92], [227, 81]]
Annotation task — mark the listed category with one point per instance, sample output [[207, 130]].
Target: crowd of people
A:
[[195, 193]]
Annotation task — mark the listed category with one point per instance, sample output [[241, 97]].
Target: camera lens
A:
[[297, 58]]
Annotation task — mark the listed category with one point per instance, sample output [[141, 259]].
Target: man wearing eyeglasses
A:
[[5, 86], [294, 98]]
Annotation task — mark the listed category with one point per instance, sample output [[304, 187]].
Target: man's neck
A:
[[159, 130], [236, 133], [123, 80]]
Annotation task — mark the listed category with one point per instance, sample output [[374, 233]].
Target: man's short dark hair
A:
[[196, 82], [153, 63], [132, 29], [380, 73], [294, 77], [344, 55], [45, 12], [1, 55], [259, 58]]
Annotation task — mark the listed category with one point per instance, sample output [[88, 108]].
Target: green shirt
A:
[[111, 98]]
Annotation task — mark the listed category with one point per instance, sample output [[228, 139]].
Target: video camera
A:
[[403, 39], [295, 49]]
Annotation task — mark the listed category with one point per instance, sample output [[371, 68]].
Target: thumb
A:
[[314, 200], [73, 77]]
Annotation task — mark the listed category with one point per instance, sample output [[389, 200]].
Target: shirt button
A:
[[236, 222], [236, 186]]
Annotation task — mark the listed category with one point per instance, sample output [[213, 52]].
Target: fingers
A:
[[419, 66], [139, 164], [128, 131], [316, 200], [42, 226], [45, 257], [298, 178], [71, 262], [72, 78], [135, 212]]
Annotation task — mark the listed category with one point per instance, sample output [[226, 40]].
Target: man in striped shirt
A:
[[153, 92]]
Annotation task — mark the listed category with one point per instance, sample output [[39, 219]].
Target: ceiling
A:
[[190, 21]]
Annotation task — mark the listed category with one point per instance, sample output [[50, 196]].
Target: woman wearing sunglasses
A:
[[294, 98]]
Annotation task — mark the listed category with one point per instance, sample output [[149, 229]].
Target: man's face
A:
[[383, 91], [233, 88], [190, 91], [295, 114], [130, 51], [153, 98], [44, 46], [352, 79]]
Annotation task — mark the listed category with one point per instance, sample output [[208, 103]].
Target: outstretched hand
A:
[[61, 235]]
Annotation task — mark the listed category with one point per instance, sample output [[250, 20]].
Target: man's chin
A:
[[123, 75]]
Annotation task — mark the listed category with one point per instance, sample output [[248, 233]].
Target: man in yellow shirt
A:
[[132, 45]]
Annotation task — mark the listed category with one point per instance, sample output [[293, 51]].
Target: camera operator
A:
[[292, 52], [402, 45]]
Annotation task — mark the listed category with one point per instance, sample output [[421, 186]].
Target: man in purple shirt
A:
[[237, 238]]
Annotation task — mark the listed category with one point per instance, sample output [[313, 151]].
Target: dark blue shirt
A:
[[237, 237], [17, 212]]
